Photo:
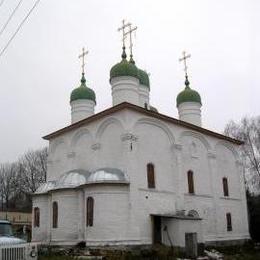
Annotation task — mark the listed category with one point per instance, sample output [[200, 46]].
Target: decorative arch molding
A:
[[79, 133], [159, 124], [102, 127], [198, 136], [228, 146], [193, 213], [55, 144]]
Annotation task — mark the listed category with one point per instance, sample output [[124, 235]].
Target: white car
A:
[[12, 248]]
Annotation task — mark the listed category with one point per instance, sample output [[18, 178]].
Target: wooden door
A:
[[157, 230]]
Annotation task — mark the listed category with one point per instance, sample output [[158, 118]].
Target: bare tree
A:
[[248, 130], [33, 169], [8, 182], [19, 179]]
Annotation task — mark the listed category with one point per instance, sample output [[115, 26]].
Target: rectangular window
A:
[[54, 214], [229, 222], [150, 176], [190, 182], [90, 211], [36, 217], [225, 187]]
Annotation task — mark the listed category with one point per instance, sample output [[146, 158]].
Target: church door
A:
[[157, 230], [191, 245]]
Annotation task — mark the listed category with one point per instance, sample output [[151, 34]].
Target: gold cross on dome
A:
[[184, 58], [84, 53], [131, 30], [122, 28]]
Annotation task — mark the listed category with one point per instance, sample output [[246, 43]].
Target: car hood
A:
[[10, 241]]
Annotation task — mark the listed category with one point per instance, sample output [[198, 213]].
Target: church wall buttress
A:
[[130, 146], [81, 215], [214, 180], [177, 149]]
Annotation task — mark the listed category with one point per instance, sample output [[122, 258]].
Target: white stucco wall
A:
[[125, 89], [81, 108], [111, 215], [129, 140], [190, 112], [68, 217], [144, 96], [40, 233], [177, 229]]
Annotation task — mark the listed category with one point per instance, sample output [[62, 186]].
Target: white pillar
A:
[[82, 213], [81, 109], [125, 89], [181, 178], [190, 112]]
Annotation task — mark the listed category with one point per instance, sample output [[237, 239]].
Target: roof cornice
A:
[[139, 109]]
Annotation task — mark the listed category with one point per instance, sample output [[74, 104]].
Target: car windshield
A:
[[5, 229]]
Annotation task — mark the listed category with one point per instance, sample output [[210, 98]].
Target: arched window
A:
[[90, 211], [54, 214], [229, 222], [225, 186], [36, 217], [190, 182], [150, 175]]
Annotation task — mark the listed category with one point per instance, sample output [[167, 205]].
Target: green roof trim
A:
[[83, 92], [144, 78], [188, 95]]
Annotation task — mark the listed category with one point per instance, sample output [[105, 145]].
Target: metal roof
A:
[[107, 175], [79, 177]]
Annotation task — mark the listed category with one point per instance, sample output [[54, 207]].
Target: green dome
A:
[[144, 78], [188, 95], [83, 92], [124, 68]]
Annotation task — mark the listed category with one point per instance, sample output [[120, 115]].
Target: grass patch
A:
[[55, 258], [242, 252], [245, 252], [243, 256]]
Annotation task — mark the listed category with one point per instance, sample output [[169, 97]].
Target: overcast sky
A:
[[41, 67]]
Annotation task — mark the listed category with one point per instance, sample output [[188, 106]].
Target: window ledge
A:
[[156, 190], [198, 195], [229, 198]]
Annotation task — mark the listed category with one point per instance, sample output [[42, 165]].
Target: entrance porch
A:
[[180, 231]]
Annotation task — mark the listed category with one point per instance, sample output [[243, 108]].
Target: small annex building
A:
[[130, 175]]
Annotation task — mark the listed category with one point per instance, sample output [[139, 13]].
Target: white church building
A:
[[130, 175]]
